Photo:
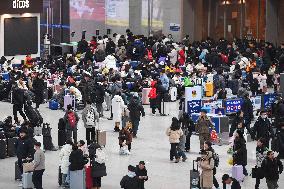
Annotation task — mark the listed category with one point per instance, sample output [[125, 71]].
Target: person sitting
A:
[[130, 180]]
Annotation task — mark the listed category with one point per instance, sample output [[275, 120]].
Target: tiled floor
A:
[[151, 146]]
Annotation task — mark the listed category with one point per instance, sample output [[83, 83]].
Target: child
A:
[[125, 139]]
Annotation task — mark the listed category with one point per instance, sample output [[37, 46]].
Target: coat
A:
[[203, 125], [272, 168], [174, 136], [129, 182], [142, 172], [76, 160], [262, 128], [117, 108], [135, 109], [98, 170], [92, 119], [206, 176], [68, 127], [125, 135], [24, 148], [240, 152], [38, 86], [64, 158]]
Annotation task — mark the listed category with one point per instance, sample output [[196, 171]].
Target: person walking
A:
[[206, 164], [188, 125], [71, 119], [174, 132], [203, 128], [90, 118], [130, 181], [38, 88], [135, 111], [141, 173], [261, 151], [240, 151], [18, 103], [262, 128], [39, 166], [272, 168], [153, 97], [247, 109], [64, 161], [118, 107]]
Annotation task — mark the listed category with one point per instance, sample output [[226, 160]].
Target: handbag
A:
[[28, 167], [257, 172]]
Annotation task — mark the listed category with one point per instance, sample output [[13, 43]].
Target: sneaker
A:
[[20, 185], [184, 159], [177, 160]]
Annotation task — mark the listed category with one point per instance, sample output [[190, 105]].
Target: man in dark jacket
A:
[[262, 128], [18, 103], [76, 159], [272, 167], [141, 173], [98, 98], [229, 180], [130, 180], [24, 148], [247, 108], [38, 87], [135, 111]]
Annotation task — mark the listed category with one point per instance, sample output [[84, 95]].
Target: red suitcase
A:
[[89, 179]]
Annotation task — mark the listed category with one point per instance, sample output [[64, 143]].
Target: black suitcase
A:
[[18, 174], [11, 151], [61, 137], [33, 115], [47, 143], [59, 176], [3, 146], [194, 177]]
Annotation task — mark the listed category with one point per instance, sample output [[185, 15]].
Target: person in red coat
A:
[[181, 56]]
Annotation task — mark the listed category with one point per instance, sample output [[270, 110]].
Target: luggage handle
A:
[[194, 166]]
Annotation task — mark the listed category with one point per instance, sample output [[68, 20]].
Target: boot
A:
[[177, 160]]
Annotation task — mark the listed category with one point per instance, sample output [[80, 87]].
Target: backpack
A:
[[153, 93], [71, 119]]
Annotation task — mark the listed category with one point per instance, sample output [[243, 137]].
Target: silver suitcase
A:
[[28, 180], [77, 179]]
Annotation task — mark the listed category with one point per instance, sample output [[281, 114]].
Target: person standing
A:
[[38, 88], [153, 97], [64, 161], [130, 180], [90, 117], [24, 148], [203, 128], [262, 128], [98, 171], [261, 152], [174, 132], [39, 166], [141, 173], [240, 151], [71, 119], [272, 168], [247, 109], [117, 109], [206, 164], [18, 103], [135, 111]]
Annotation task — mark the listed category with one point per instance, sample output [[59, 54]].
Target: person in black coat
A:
[[141, 173], [277, 143], [247, 108], [188, 124], [24, 148], [262, 128], [38, 88], [99, 98], [98, 171], [238, 123], [135, 111], [240, 151], [18, 103], [272, 168], [229, 180], [76, 159], [130, 181]]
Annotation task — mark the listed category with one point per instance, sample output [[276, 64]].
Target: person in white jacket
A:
[[110, 62], [173, 55], [64, 161], [118, 107]]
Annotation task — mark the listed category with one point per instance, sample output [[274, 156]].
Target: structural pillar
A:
[[135, 15]]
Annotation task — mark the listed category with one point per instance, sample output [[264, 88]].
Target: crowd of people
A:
[[109, 73]]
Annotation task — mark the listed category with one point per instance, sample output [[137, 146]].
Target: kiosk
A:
[[20, 28]]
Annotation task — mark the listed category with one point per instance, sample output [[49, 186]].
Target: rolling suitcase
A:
[[69, 99], [237, 172], [173, 93], [194, 177], [18, 174], [11, 151], [3, 146], [28, 180], [77, 179], [59, 176], [89, 179]]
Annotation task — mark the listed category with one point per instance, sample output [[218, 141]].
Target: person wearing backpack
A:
[[71, 119], [215, 156], [90, 116]]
